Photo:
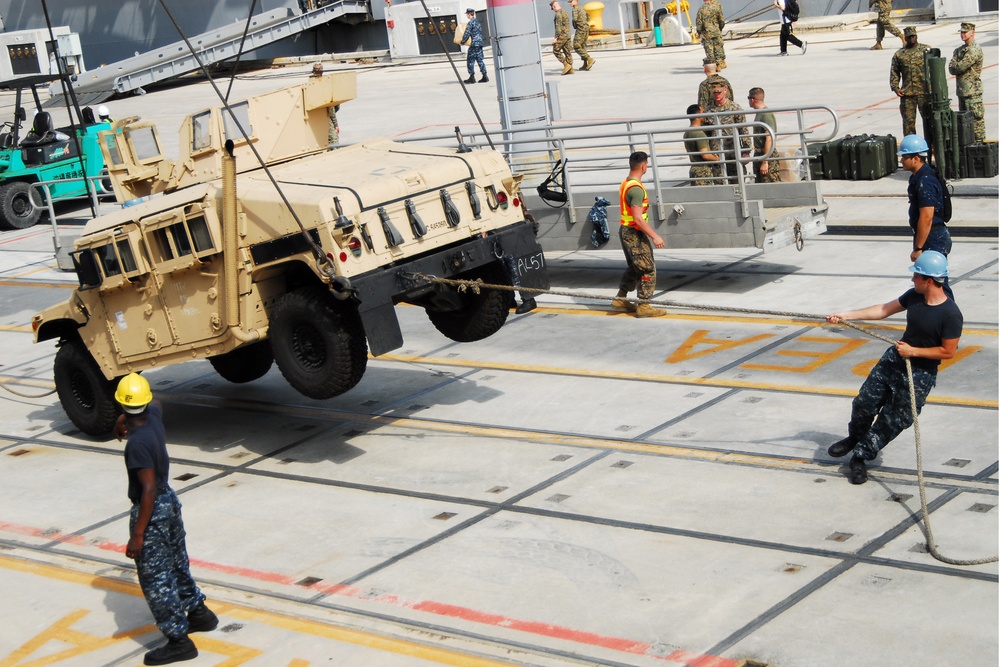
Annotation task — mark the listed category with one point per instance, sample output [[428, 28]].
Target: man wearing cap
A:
[[967, 66], [881, 410], [560, 43], [723, 142], [908, 79], [474, 35], [709, 23], [926, 202], [156, 541], [883, 23], [581, 23], [712, 76], [638, 240]]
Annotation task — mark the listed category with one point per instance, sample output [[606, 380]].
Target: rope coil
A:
[[931, 547]]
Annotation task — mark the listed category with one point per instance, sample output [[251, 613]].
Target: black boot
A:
[[471, 79], [859, 473], [202, 619], [175, 650], [526, 306], [484, 79], [842, 447]]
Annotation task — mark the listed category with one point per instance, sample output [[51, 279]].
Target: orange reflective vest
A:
[[626, 216]]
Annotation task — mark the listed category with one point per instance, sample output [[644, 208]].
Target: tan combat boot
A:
[[588, 64], [619, 303], [721, 65], [877, 47], [567, 68], [646, 310]]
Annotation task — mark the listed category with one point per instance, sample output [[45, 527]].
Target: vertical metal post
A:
[[517, 64]]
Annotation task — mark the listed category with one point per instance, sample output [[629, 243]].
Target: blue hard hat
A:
[[932, 264], [912, 144]]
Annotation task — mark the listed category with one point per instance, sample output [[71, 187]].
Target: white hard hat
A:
[[103, 111]]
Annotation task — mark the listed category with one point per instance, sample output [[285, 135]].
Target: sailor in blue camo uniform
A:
[[474, 32], [156, 528], [882, 409]]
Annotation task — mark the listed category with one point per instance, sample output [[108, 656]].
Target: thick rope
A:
[[476, 285], [22, 395]]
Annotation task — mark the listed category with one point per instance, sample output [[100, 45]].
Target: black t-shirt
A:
[[147, 448], [927, 326], [924, 190]]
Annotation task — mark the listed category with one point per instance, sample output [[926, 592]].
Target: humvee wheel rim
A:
[[309, 347], [82, 391]]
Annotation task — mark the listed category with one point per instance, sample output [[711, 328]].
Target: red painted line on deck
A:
[[688, 658]]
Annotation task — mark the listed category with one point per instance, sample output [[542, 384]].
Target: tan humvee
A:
[[206, 259]]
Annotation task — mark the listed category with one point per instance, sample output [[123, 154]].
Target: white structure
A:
[[413, 33], [956, 9], [27, 52]]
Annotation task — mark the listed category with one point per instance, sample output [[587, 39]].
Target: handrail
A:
[[598, 149], [43, 187]]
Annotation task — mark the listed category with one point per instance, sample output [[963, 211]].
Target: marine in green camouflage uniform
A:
[[709, 22], [967, 66], [762, 143], [723, 142], [908, 79], [560, 43], [705, 87], [698, 147], [883, 24], [581, 23]]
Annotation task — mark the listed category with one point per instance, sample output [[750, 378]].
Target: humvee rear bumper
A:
[[378, 291]]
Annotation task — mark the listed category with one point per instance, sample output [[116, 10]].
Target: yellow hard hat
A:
[[133, 393]]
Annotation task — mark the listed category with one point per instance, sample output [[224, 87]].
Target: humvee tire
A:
[[481, 315], [16, 210], [244, 364], [86, 395], [318, 343]]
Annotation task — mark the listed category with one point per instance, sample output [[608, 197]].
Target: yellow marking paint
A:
[[19, 329], [665, 379], [846, 345], [238, 655], [685, 351], [23, 283], [61, 632]]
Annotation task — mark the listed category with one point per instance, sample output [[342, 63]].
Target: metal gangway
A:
[[730, 213], [213, 46]]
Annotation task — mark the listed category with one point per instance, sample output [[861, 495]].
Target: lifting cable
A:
[[476, 285]]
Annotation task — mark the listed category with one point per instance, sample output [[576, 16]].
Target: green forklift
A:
[[68, 158]]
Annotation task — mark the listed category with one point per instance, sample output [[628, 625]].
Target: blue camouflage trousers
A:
[[164, 575], [474, 57], [884, 399]]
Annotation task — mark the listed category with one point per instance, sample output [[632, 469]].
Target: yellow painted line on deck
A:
[[666, 379], [282, 621], [19, 329], [24, 283]]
